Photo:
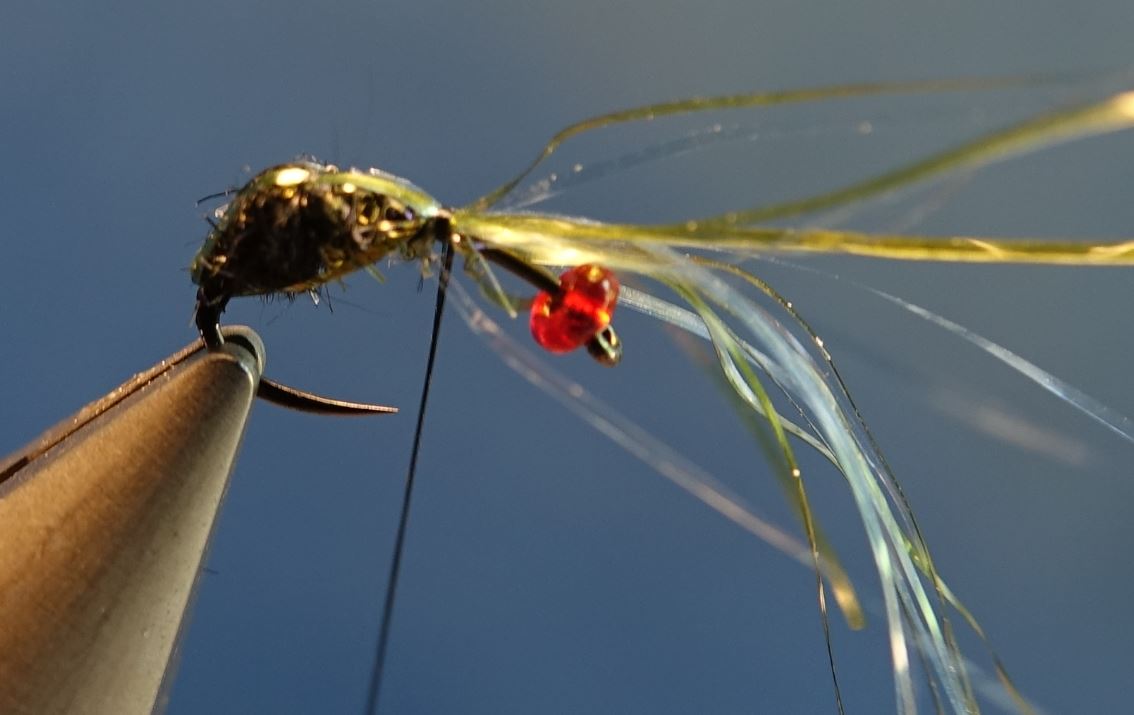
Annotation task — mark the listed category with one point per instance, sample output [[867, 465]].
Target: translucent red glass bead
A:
[[583, 306]]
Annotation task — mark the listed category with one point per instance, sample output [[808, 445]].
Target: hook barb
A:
[[295, 399]]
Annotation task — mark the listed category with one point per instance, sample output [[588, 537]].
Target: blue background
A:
[[547, 571]]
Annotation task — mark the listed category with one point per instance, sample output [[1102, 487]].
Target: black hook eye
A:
[[605, 347]]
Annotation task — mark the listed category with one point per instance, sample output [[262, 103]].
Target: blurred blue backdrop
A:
[[547, 571]]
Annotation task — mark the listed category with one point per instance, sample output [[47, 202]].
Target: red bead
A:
[[582, 307]]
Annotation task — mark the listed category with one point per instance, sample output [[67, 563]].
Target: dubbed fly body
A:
[[295, 227]]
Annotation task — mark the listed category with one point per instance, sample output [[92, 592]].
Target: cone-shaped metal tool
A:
[[104, 522]]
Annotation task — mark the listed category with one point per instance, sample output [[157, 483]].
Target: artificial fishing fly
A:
[[297, 227]]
